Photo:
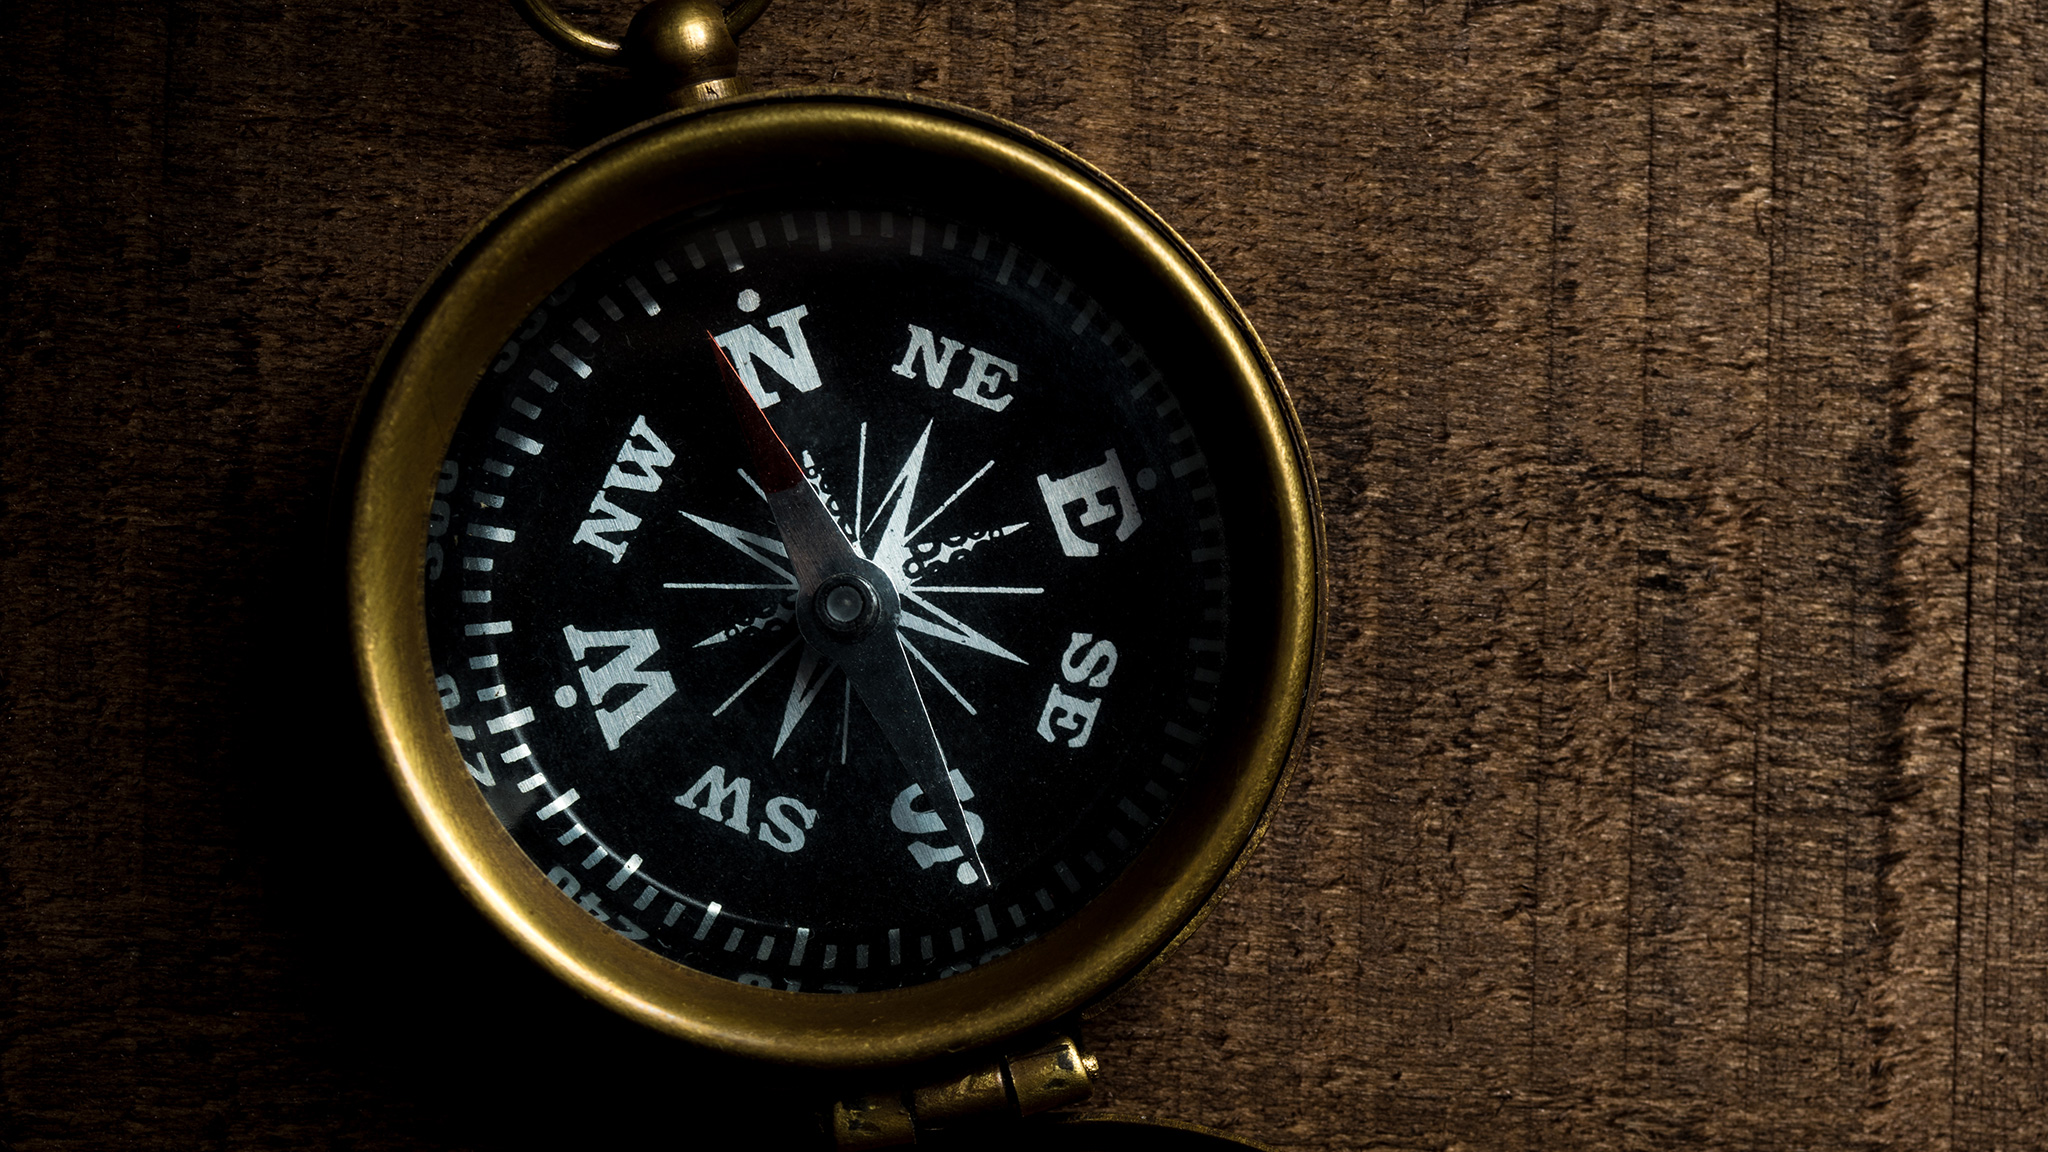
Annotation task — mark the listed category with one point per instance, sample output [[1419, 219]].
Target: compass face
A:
[[611, 607]]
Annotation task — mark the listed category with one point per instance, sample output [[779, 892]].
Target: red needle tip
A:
[[773, 464]]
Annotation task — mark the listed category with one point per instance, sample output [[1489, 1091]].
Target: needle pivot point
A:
[[846, 605]]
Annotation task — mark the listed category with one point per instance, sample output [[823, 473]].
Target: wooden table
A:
[[1675, 376]]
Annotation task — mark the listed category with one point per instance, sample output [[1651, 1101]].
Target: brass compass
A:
[[836, 579]]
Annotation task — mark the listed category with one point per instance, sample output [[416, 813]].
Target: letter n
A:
[[936, 362], [616, 519], [747, 344]]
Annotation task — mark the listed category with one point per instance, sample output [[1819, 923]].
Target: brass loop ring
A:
[[557, 30]]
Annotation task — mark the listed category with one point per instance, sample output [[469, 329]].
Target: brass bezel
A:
[[885, 145]]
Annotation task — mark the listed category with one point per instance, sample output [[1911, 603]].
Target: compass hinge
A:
[[1048, 1076]]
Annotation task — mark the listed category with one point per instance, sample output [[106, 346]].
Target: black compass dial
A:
[[613, 602]]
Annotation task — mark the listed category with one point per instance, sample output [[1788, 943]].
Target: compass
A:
[[835, 578]]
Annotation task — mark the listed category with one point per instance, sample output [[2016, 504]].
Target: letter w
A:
[[642, 461], [713, 790], [747, 344], [655, 686]]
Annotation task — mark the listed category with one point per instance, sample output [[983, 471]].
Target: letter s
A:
[[785, 836], [1094, 667]]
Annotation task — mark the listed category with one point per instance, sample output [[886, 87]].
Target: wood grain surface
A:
[[1677, 379]]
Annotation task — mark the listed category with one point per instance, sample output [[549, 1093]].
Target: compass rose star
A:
[[914, 565]]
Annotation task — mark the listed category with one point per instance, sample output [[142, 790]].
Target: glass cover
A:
[[611, 610]]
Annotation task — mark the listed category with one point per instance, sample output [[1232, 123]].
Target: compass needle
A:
[[848, 609]]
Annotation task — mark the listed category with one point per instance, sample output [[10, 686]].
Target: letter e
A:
[[985, 381], [1068, 714]]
